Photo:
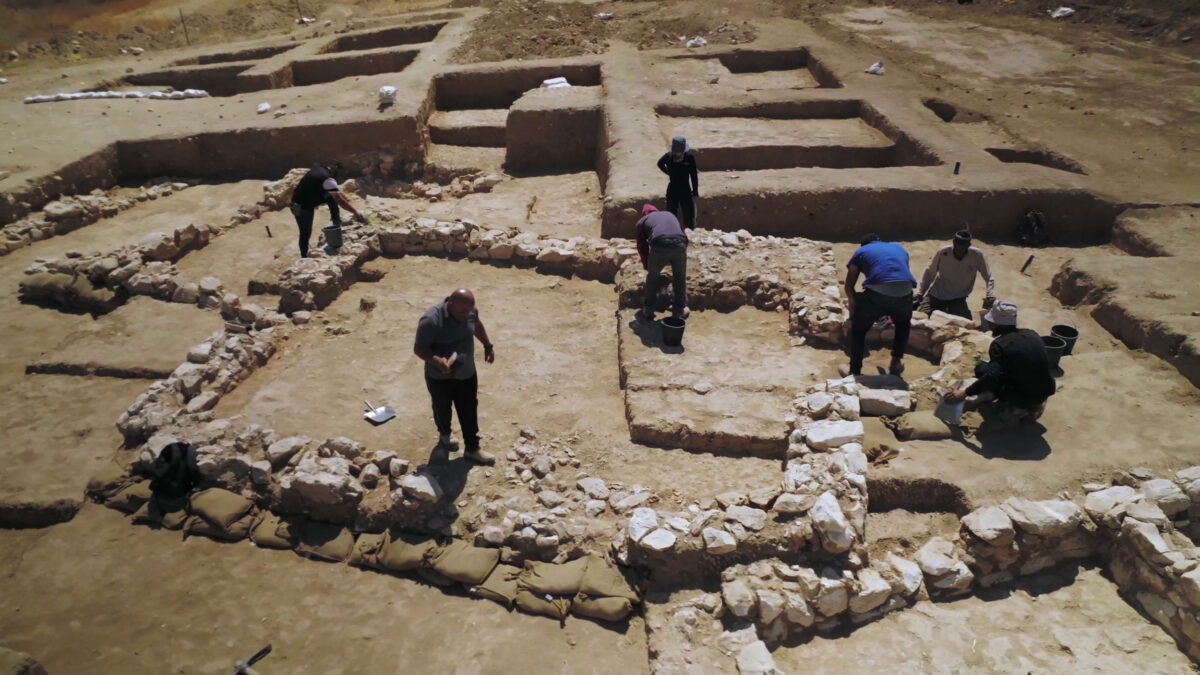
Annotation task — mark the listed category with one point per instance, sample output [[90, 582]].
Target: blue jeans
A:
[[662, 254]]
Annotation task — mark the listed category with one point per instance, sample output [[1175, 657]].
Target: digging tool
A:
[[378, 415], [1026, 265], [243, 667]]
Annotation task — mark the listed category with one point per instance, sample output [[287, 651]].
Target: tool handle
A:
[[1026, 265], [370, 408], [262, 654]]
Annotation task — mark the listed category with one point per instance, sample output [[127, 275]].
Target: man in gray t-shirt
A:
[[446, 343]]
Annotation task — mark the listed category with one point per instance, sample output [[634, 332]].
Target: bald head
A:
[[461, 303]]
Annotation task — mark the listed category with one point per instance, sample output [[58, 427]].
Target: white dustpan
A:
[[378, 415]]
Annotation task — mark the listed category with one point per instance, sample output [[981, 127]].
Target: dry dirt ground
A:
[[1114, 90]]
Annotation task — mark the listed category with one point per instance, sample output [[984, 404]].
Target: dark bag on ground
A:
[[171, 475]]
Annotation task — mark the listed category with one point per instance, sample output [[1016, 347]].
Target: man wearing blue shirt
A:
[[888, 291]]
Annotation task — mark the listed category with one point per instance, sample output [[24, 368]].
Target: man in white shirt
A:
[[950, 277]]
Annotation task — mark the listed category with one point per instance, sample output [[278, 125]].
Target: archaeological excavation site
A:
[[225, 435]]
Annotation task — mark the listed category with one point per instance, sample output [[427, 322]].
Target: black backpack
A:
[[1033, 231], [172, 475]]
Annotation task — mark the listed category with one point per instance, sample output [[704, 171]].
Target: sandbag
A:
[[402, 554], [921, 425], [603, 580], [366, 550], [554, 579], [108, 481], [220, 507], [434, 577], [265, 533], [236, 531], [465, 563], [131, 498], [606, 609], [325, 541], [166, 513], [878, 439], [551, 606], [501, 585]]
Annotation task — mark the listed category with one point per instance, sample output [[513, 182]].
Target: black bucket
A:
[[1068, 334], [333, 236], [1055, 346], [672, 330]]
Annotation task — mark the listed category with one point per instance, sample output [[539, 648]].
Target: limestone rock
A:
[[790, 504], [1051, 518], [846, 407], [549, 498], [873, 591], [936, 557], [659, 540], [282, 450], [830, 434], [908, 574], [831, 597], [770, 606], [748, 517], [421, 486], [884, 402], [594, 488], [1102, 501], [738, 598], [1166, 494], [990, 524], [322, 485], [594, 508], [796, 610], [831, 523], [642, 522], [718, 542], [756, 659], [819, 404]]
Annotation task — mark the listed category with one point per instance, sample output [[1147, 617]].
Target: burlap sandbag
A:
[[603, 580], [165, 513], [131, 498], [266, 533], [434, 577], [108, 481], [366, 550], [878, 439], [236, 531], [554, 579], [555, 607], [465, 563], [325, 541], [220, 507], [402, 554], [920, 425], [501, 585], [606, 609]]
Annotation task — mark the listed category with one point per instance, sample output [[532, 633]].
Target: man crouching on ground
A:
[[661, 242], [445, 341]]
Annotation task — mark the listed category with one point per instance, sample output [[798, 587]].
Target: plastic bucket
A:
[[333, 236], [672, 330], [1068, 334], [1054, 348]]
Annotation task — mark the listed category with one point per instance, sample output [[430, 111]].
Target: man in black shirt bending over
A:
[[683, 184], [1017, 378], [317, 187]]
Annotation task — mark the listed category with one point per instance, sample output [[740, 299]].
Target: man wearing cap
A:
[[1016, 379], [887, 291], [683, 182], [661, 242], [445, 341], [950, 277], [318, 186]]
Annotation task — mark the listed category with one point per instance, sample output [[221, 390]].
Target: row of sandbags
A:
[[590, 586]]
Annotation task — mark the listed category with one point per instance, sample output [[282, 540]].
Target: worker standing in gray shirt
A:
[[445, 341], [950, 277]]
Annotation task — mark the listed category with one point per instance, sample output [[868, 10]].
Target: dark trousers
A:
[[463, 395], [957, 306], [683, 206], [304, 220], [869, 306], [662, 254]]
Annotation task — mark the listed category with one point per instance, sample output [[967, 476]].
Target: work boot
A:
[[646, 315], [682, 313], [896, 367], [444, 441], [479, 456]]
